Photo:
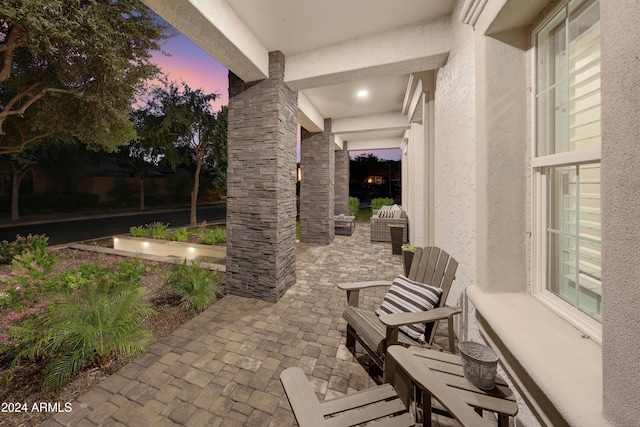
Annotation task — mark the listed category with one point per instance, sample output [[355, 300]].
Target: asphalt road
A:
[[62, 231]]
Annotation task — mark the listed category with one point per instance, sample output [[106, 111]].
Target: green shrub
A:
[[33, 243], [354, 205], [24, 299], [158, 230], [91, 328], [379, 202], [139, 231], [155, 230], [108, 275], [213, 236], [196, 286], [180, 235]]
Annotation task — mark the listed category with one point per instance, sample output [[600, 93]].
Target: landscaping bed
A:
[[24, 383]]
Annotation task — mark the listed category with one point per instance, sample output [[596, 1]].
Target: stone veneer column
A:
[[317, 167], [341, 181], [261, 180]]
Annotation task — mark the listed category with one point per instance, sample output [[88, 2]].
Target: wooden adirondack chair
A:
[[378, 405], [431, 266]]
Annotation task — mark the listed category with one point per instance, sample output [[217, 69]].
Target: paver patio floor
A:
[[222, 368]]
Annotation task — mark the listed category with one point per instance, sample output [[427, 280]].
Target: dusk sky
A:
[[189, 63]]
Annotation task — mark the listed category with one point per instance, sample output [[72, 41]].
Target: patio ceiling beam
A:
[[217, 29], [375, 144], [373, 122], [408, 49], [308, 116]]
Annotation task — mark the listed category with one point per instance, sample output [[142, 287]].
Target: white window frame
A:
[[589, 326]]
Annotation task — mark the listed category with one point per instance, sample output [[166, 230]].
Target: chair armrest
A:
[[302, 398], [350, 286], [353, 289], [402, 319]]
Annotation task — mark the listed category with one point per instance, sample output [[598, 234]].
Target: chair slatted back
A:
[[435, 267]]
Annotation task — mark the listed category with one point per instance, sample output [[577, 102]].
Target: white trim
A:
[[415, 98], [587, 155], [571, 314], [539, 238], [407, 95], [539, 198]]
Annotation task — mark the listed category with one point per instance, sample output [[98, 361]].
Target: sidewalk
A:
[[222, 368]]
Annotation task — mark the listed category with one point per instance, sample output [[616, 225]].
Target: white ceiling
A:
[[295, 26], [349, 44], [339, 101]]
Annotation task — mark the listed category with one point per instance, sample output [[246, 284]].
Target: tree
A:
[[186, 124], [18, 165], [59, 161], [69, 69], [143, 154], [219, 152]]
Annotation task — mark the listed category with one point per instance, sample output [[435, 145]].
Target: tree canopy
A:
[[182, 121], [70, 69]]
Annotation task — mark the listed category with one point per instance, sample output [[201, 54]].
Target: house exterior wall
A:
[[483, 134], [455, 180], [620, 209]]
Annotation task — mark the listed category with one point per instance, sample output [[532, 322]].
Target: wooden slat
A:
[[402, 420], [509, 407], [378, 403], [446, 362], [460, 382], [361, 398], [415, 263], [435, 267], [369, 328], [366, 414], [303, 400]]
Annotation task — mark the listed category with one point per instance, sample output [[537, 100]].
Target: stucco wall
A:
[[620, 210], [455, 189]]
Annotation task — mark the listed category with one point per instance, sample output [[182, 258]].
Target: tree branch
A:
[[15, 39], [20, 147], [7, 110]]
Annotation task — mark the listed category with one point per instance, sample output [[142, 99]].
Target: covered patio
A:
[[222, 368], [518, 130]]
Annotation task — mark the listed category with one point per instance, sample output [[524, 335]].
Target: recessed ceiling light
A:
[[363, 93]]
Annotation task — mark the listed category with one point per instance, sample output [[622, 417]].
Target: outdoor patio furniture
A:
[[438, 375], [431, 266], [382, 219], [344, 225], [378, 404]]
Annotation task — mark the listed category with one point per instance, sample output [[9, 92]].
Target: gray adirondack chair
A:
[[430, 265], [378, 405]]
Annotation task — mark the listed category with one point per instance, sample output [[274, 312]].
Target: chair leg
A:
[[452, 345], [351, 339]]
